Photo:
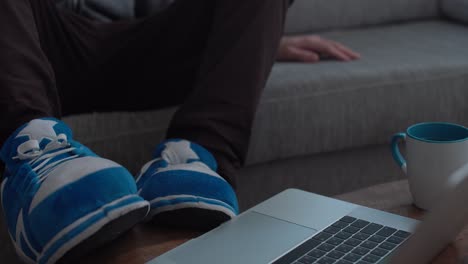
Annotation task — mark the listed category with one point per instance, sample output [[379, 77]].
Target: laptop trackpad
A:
[[251, 238]]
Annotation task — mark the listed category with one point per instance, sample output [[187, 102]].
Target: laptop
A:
[[299, 227]]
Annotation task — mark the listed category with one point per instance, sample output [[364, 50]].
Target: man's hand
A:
[[311, 48]]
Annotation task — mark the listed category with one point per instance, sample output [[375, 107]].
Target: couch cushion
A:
[[317, 15], [455, 9], [408, 73]]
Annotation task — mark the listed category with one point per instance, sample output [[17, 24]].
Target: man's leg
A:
[[59, 198], [185, 185], [27, 80], [235, 65]]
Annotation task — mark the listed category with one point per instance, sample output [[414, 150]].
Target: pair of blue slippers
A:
[[61, 200]]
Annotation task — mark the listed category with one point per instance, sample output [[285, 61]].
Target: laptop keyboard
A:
[[348, 240]]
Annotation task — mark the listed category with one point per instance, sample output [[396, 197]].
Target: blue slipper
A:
[[60, 199], [184, 189]]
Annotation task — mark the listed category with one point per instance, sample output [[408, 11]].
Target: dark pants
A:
[[211, 57]]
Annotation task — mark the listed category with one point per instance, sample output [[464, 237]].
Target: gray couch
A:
[[326, 127]]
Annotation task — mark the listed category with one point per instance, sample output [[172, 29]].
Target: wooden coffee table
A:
[[145, 242]]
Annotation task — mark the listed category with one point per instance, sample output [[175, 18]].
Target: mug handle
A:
[[399, 159]]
